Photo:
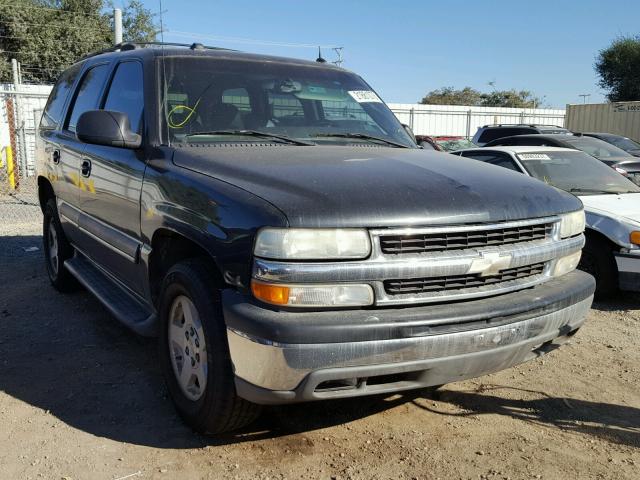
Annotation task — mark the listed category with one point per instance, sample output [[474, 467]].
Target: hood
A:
[[626, 205], [336, 186]]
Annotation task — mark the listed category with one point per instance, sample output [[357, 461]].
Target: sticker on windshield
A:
[[364, 96], [534, 156]]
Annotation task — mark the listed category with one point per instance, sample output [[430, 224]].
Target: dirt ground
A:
[[82, 398]]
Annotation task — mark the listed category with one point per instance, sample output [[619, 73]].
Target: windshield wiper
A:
[[592, 190], [362, 136], [252, 133]]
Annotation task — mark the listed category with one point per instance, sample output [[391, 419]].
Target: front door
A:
[[113, 176]]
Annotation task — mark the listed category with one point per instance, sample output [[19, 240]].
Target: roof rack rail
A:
[[520, 125], [126, 46]]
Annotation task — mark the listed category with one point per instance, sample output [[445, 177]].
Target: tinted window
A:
[[493, 133], [598, 148], [87, 94], [494, 158], [126, 93], [53, 111]]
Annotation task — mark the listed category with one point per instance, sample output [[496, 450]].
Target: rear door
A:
[[51, 163], [111, 204], [85, 97]]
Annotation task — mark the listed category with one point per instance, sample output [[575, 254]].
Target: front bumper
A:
[[628, 271], [287, 356]]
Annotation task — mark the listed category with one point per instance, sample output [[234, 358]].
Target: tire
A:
[[57, 250], [597, 259], [190, 310]]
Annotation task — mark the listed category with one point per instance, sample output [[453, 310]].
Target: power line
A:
[[250, 41]]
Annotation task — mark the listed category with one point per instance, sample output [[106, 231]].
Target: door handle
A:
[[55, 156], [85, 168]]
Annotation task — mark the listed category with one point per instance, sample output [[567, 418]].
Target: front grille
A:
[[443, 241], [459, 282]]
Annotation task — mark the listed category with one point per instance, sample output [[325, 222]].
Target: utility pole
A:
[[584, 97], [117, 26]]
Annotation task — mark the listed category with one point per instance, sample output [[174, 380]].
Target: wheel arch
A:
[[169, 247], [45, 191]]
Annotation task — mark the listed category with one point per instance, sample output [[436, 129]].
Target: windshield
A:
[[222, 100], [624, 143], [575, 172], [598, 148]]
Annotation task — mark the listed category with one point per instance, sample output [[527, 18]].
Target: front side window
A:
[[212, 100], [126, 93], [53, 111], [575, 172], [88, 94]]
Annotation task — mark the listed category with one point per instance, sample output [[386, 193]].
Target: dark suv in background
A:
[[279, 230], [488, 133]]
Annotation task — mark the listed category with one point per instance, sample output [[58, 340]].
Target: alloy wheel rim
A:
[[187, 348], [53, 248]]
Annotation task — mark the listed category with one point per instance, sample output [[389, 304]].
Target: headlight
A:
[[567, 264], [312, 243], [346, 295], [572, 224]]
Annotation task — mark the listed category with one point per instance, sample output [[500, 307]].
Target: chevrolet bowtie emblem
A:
[[490, 263]]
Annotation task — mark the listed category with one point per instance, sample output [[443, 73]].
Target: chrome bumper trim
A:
[[276, 366]]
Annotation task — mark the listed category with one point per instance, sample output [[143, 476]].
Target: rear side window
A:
[[126, 93], [87, 94], [53, 111]]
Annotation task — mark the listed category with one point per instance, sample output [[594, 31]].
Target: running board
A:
[[122, 305]]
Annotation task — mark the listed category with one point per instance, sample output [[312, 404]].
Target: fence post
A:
[[468, 124], [20, 156], [411, 113]]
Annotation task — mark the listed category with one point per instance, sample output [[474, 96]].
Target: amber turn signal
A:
[[634, 237], [274, 294]]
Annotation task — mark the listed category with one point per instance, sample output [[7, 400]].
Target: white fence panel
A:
[[459, 120]]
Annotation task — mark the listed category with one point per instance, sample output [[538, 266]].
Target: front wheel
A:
[[597, 259], [194, 352]]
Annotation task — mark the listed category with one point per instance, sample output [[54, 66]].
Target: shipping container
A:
[[621, 118]]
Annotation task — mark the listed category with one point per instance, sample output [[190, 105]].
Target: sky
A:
[[405, 49]]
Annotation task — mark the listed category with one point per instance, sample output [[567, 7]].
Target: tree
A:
[[510, 98], [474, 98], [451, 96], [46, 36], [618, 67]]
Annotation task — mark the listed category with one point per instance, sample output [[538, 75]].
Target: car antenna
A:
[[164, 75], [320, 59]]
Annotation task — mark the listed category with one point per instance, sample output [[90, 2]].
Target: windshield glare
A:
[[304, 102], [575, 172], [596, 147]]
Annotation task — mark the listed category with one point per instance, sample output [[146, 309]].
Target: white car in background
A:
[[611, 203]]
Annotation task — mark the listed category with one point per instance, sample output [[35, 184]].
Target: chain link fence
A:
[[20, 111]]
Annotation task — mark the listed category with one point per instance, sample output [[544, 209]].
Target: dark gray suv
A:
[[278, 229]]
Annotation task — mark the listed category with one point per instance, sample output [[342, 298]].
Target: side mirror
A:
[[103, 127], [408, 129]]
